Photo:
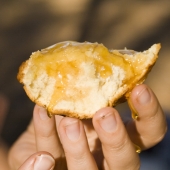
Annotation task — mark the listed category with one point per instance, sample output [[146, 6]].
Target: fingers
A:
[[118, 149], [150, 127], [45, 133], [75, 145], [37, 161], [22, 148]]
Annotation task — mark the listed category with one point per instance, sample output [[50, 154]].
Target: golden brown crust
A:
[[113, 102], [20, 74], [138, 80]]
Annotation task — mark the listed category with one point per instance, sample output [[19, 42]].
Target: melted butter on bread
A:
[[77, 79]]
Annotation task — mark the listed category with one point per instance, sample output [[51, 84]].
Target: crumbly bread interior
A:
[[77, 79]]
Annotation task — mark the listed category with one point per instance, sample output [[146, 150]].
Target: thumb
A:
[[39, 160]]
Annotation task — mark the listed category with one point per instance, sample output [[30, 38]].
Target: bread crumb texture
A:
[[77, 79]]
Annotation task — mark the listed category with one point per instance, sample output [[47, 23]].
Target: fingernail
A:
[[108, 122], [144, 96], [43, 113], [44, 162], [73, 130]]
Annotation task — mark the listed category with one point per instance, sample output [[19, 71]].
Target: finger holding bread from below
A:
[[75, 145], [150, 126], [115, 141], [45, 133]]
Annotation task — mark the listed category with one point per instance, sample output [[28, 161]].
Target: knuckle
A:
[[152, 140], [118, 145]]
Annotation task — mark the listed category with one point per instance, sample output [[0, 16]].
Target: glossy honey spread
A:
[[63, 61]]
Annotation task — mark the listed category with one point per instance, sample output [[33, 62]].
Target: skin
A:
[[104, 142]]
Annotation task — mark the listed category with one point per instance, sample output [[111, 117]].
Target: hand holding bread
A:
[[104, 142]]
